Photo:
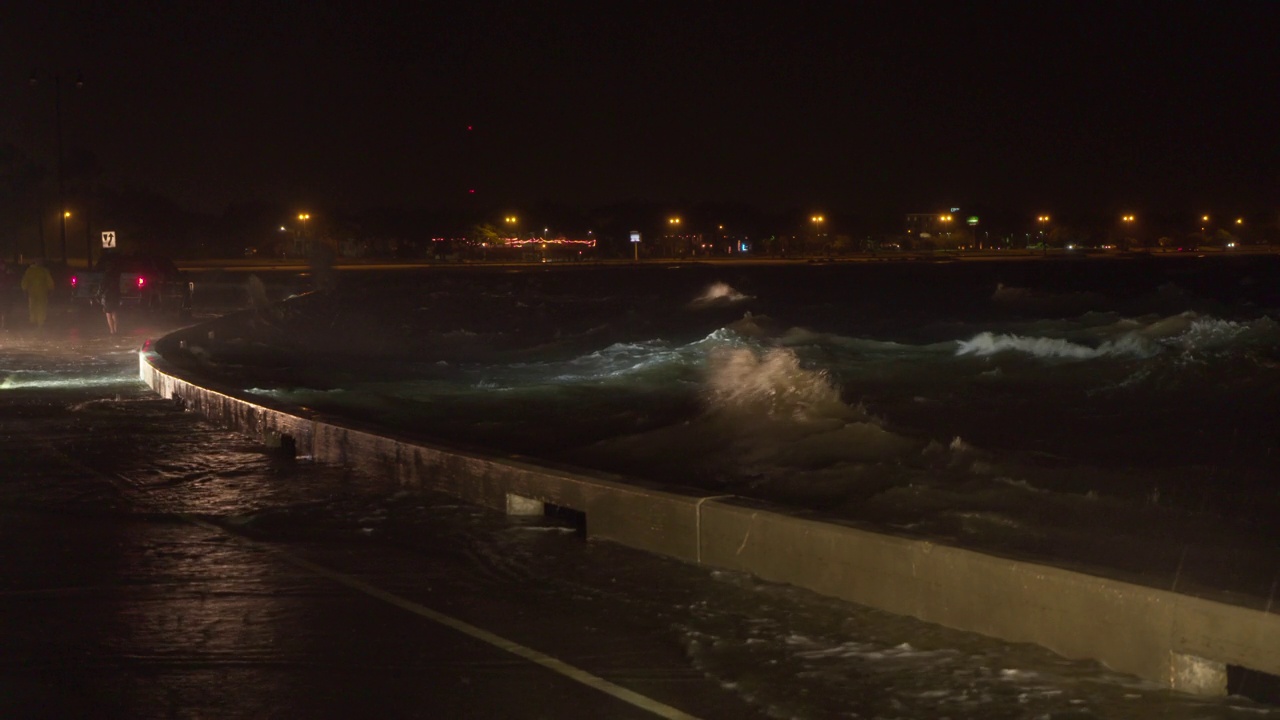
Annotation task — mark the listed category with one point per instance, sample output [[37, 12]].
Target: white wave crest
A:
[[1215, 334], [987, 343]]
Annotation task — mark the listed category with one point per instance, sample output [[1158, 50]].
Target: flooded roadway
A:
[[156, 566]]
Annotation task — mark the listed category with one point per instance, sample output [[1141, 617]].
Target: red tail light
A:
[[142, 282], [74, 280]]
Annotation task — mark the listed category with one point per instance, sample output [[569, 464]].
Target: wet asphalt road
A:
[[157, 566]]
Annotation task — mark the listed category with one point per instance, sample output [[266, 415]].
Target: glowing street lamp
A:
[[304, 217], [1044, 221]]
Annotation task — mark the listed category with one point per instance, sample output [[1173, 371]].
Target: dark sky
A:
[[827, 105]]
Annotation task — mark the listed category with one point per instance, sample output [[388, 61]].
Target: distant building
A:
[[930, 224], [945, 230]]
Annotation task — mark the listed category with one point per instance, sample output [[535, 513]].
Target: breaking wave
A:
[[1186, 332], [987, 343], [718, 294], [773, 383]]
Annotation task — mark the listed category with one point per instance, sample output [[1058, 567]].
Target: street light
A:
[[304, 217], [1128, 221], [1044, 221]]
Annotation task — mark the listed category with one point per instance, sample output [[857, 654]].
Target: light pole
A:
[[1043, 220], [57, 123], [1128, 221], [945, 221], [303, 246]]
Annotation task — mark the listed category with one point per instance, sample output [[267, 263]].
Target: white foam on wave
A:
[[1131, 338], [716, 294], [1208, 333], [988, 343], [772, 383], [783, 417]]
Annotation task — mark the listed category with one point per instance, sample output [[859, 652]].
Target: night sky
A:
[[848, 106]]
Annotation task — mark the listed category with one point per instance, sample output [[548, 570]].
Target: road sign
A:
[[635, 236], [108, 239]]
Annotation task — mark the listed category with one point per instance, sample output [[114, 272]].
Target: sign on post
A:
[[108, 239], [635, 243]]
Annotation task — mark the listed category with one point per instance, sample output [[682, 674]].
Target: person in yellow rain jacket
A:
[[38, 283]]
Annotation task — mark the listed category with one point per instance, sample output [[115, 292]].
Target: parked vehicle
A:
[[148, 282]]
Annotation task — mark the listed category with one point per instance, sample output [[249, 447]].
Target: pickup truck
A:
[[146, 281]]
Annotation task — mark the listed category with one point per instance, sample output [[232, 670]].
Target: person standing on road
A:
[[37, 283], [110, 298]]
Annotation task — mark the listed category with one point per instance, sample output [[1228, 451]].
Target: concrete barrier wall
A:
[[1183, 642]]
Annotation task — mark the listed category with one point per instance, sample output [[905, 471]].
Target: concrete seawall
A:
[[1183, 642]]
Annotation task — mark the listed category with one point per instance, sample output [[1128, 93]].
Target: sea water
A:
[[1115, 414]]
